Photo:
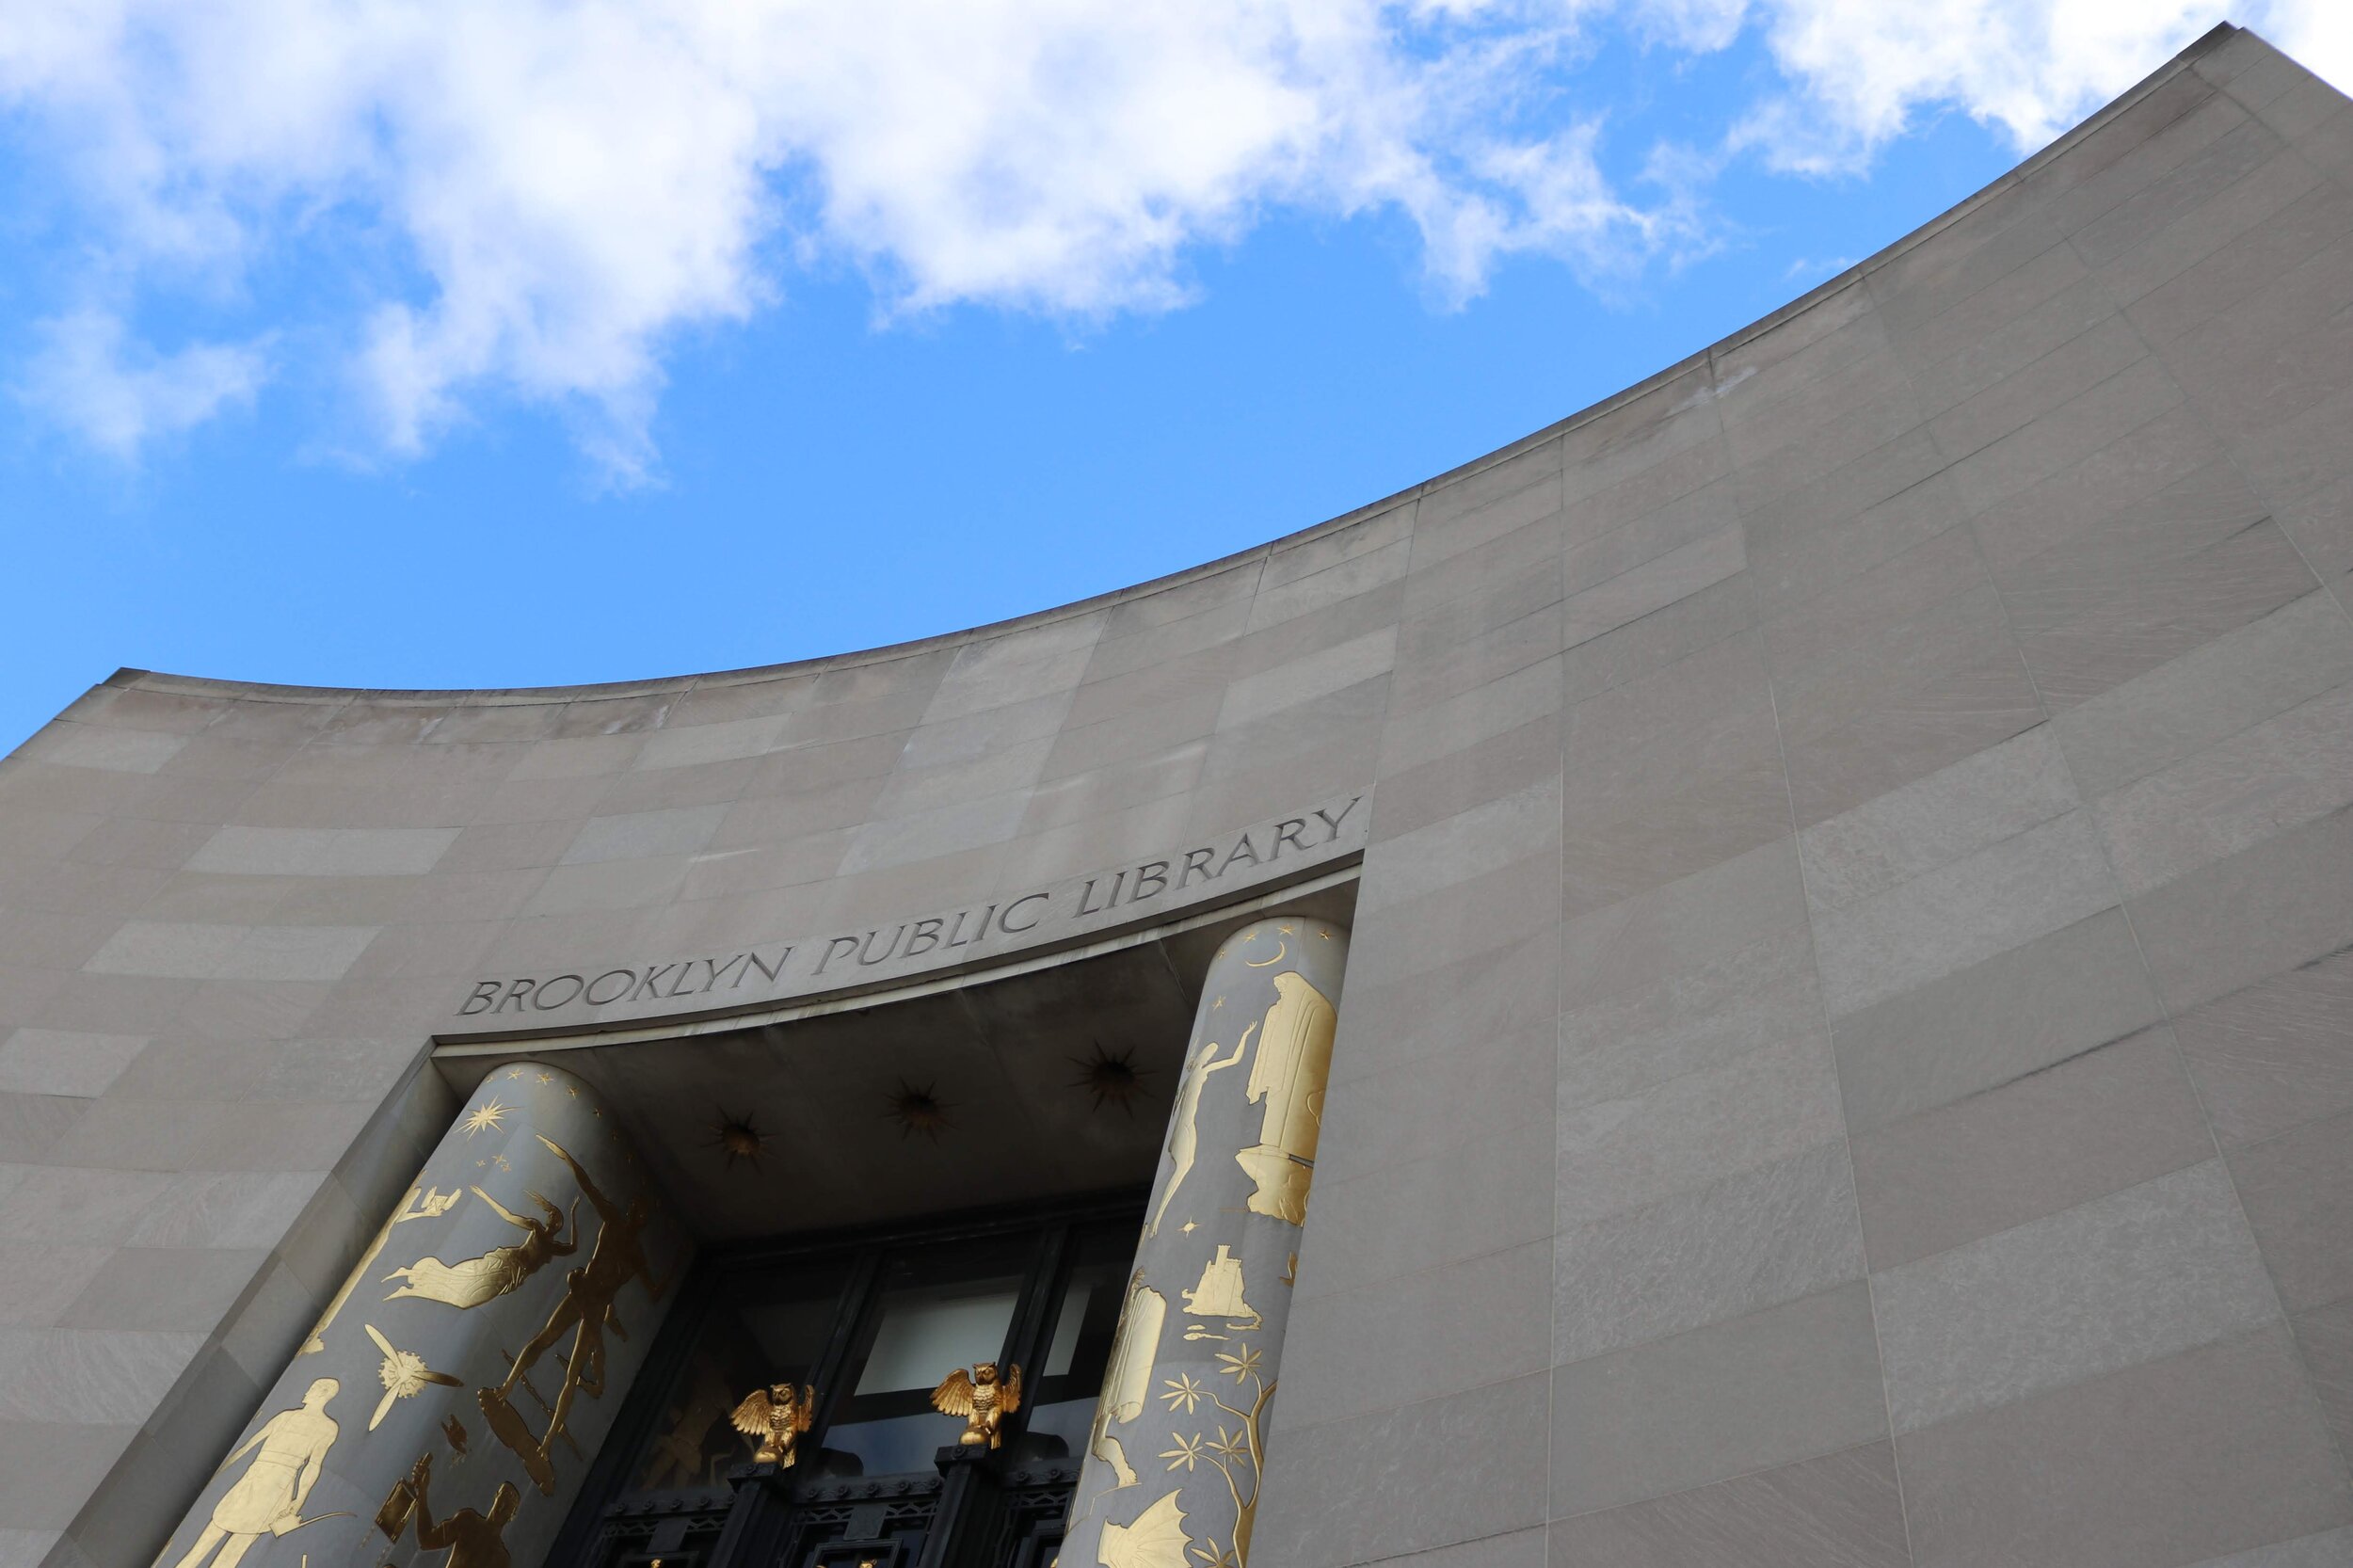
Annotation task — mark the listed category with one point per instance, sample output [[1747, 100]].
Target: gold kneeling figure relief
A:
[[983, 1399]]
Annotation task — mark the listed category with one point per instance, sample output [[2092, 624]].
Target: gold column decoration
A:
[[409, 1420], [1177, 1451]]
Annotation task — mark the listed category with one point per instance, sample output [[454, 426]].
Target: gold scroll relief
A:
[[1128, 1382], [1294, 1058]]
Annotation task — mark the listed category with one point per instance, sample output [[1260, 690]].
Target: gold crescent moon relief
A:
[[1280, 949]]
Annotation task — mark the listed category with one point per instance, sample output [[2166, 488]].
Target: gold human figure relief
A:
[[1219, 1294], [435, 1203], [775, 1418], [1128, 1381], [267, 1500], [1184, 1141], [983, 1400], [1294, 1058], [472, 1539], [1156, 1540], [678, 1454], [404, 1375], [471, 1281]]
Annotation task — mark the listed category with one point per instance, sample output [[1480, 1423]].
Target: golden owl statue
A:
[[982, 1399], [775, 1418]]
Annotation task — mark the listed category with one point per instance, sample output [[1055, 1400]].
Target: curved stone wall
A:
[[1843, 1050]]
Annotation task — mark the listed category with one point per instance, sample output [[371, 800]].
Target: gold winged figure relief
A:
[[471, 1281], [983, 1399], [775, 1418]]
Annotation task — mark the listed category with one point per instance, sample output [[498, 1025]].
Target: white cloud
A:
[[531, 198], [118, 396]]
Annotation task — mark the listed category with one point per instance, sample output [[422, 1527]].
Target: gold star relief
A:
[[546, 1077], [485, 1117], [515, 1072], [1190, 1227], [1288, 931], [1218, 1003]]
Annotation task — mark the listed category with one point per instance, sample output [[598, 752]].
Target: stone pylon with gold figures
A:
[[1177, 1452], [457, 1385]]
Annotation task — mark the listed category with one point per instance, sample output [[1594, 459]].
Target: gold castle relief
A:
[[1220, 1295]]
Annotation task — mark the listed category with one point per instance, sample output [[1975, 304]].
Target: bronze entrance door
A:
[[789, 1416]]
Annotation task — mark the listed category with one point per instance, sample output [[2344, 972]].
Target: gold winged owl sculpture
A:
[[983, 1400], [775, 1418]]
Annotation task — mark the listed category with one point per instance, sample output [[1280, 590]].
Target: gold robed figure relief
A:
[[776, 1416], [267, 1500], [1184, 1137], [1294, 1058], [471, 1281], [1128, 1381]]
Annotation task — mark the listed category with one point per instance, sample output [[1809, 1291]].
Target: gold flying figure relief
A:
[[1294, 1058], [435, 1203], [1219, 1294], [404, 1374], [586, 1308], [1128, 1381], [775, 1418], [471, 1281], [267, 1500], [1184, 1141], [1156, 1540], [472, 1539], [982, 1399]]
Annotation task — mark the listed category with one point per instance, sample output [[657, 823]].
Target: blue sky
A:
[[687, 347]]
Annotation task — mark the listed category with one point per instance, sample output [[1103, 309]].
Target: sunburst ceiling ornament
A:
[[918, 1109], [486, 1117], [1111, 1078], [739, 1137]]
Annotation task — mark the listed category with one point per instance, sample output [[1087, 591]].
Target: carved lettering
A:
[[1334, 822], [913, 939], [1004, 922], [545, 1001], [627, 977], [956, 938]]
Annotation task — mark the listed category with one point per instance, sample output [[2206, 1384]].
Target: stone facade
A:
[[1847, 1048]]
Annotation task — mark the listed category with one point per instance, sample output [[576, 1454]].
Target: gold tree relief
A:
[[1237, 1452]]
